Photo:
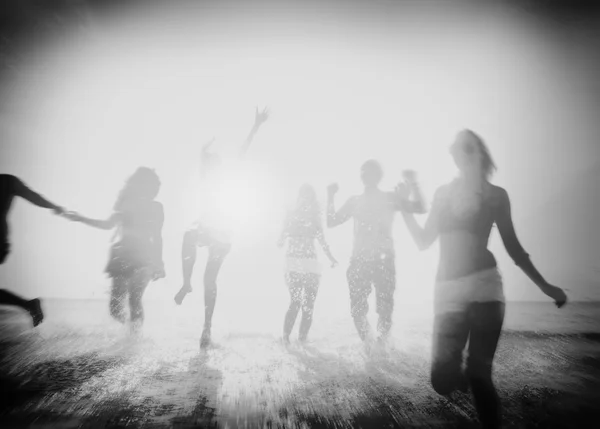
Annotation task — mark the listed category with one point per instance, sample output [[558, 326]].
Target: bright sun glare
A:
[[243, 198]]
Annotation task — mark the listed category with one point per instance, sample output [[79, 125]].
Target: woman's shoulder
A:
[[497, 194], [145, 208], [157, 205], [157, 208]]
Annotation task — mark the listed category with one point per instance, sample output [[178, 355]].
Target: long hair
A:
[[488, 167], [468, 201], [307, 204], [141, 185]]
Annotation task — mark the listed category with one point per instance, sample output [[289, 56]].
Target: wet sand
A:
[[65, 379]]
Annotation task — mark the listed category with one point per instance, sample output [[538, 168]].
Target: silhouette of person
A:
[[372, 263], [136, 257], [302, 270], [11, 186], [209, 232], [469, 299]]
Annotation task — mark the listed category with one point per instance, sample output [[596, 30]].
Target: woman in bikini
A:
[[469, 299]]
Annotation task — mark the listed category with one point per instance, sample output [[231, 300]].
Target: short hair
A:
[[372, 166]]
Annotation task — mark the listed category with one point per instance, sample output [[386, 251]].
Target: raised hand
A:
[[332, 189], [260, 117], [409, 176], [402, 191]]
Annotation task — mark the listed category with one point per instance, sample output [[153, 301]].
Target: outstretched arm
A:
[[259, 119], [518, 254], [425, 236], [107, 224], [33, 197]]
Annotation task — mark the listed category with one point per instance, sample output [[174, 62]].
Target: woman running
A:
[[136, 258], [302, 272], [469, 298]]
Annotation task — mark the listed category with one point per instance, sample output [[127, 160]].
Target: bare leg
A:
[[450, 334], [486, 321], [188, 259], [295, 287], [33, 306], [311, 287], [137, 286], [385, 285], [216, 256], [117, 297], [359, 283]]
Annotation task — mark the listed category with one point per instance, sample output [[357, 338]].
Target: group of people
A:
[[468, 300]]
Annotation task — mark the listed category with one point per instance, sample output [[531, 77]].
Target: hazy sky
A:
[[344, 83]]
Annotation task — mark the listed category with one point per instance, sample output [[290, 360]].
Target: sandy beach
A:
[[96, 375]]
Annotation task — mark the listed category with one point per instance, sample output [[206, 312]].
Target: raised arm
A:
[[344, 214], [518, 254], [259, 119], [425, 236], [417, 203], [207, 159], [33, 197]]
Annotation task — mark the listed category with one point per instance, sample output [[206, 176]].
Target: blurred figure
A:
[[373, 256], [302, 271], [11, 186], [210, 232], [136, 258], [469, 297]]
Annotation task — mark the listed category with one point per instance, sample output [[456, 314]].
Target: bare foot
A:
[[205, 338], [35, 309], [185, 289]]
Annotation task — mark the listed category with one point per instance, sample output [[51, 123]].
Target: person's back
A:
[[373, 214], [138, 220], [136, 258], [302, 229], [373, 259]]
